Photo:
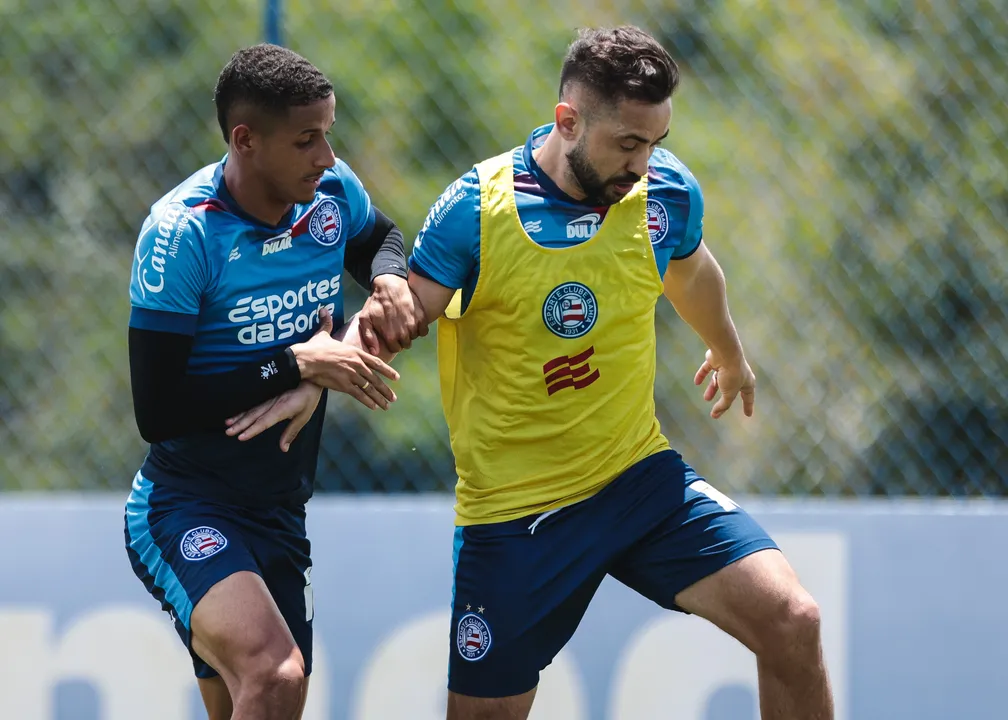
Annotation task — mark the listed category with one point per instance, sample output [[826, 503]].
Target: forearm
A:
[[170, 402], [702, 302], [350, 334]]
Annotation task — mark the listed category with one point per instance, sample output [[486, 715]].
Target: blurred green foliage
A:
[[853, 156]]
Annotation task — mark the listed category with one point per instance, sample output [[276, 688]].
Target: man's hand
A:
[[392, 314], [732, 378], [296, 405], [340, 366]]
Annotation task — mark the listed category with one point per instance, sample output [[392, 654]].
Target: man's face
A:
[[290, 156], [614, 147]]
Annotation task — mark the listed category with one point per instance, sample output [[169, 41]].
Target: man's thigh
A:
[[280, 545], [182, 547], [520, 591], [698, 532]]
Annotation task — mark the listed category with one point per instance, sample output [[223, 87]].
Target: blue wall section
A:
[[912, 594]]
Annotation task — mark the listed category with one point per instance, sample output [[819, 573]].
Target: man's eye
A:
[[631, 148]]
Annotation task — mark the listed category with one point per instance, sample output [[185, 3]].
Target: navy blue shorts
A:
[[522, 587], [180, 545]]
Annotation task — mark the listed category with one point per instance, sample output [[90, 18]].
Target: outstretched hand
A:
[[732, 379]]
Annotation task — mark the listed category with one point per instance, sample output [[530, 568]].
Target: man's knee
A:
[[276, 678], [792, 632]]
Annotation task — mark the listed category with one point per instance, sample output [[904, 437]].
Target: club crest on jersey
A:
[[473, 637], [202, 542], [325, 223], [570, 310], [657, 221]]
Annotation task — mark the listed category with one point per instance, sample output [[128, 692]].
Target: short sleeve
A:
[[341, 180], [169, 271], [446, 249], [694, 223], [675, 208]]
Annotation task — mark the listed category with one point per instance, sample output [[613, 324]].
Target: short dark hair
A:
[[623, 63], [268, 78]]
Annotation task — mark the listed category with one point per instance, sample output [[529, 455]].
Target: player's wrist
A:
[[302, 359], [732, 356]]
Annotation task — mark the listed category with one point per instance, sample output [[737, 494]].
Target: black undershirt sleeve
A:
[[169, 402], [380, 253]]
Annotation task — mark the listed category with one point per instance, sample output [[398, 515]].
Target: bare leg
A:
[[216, 698], [760, 602], [238, 630], [516, 707]]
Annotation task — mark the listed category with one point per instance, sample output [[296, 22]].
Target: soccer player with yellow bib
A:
[[547, 262], [543, 267]]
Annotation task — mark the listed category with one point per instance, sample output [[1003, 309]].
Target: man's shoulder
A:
[[668, 175], [454, 205], [192, 199], [674, 204], [335, 180]]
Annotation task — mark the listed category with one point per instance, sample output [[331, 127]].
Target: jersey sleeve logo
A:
[[657, 221], [159, 246], [326, 223], [570, 310]]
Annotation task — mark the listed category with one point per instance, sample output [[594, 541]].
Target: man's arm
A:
[[696, 288], [166, 292], [380, 252], [376, 259], [169, 402], [431, 298]]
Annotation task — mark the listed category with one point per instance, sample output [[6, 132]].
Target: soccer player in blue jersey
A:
[[559, 251], [237, 282]]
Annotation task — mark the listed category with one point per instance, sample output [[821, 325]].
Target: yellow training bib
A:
[[547, 378]]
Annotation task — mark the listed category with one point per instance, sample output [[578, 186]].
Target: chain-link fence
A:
[[853, 156]]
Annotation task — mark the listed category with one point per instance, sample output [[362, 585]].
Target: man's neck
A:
[[252, 197], [551, 160]]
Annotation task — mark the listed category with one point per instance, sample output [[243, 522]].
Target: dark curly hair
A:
[[623, 63], [267, 78]]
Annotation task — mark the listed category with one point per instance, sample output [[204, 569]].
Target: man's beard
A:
[[597, 191]]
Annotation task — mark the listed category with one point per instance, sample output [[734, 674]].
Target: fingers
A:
[[325, 320], [374, 385], [368, 336], [722, 405], [242, 422], [712, 387], [264, 422], [293, 428], [236, 419], [362, 397], [702, 373], [372, 391], [748, 401], [378, 365]]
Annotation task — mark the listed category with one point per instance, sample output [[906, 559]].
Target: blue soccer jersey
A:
[[243, 290], [447, 247]]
